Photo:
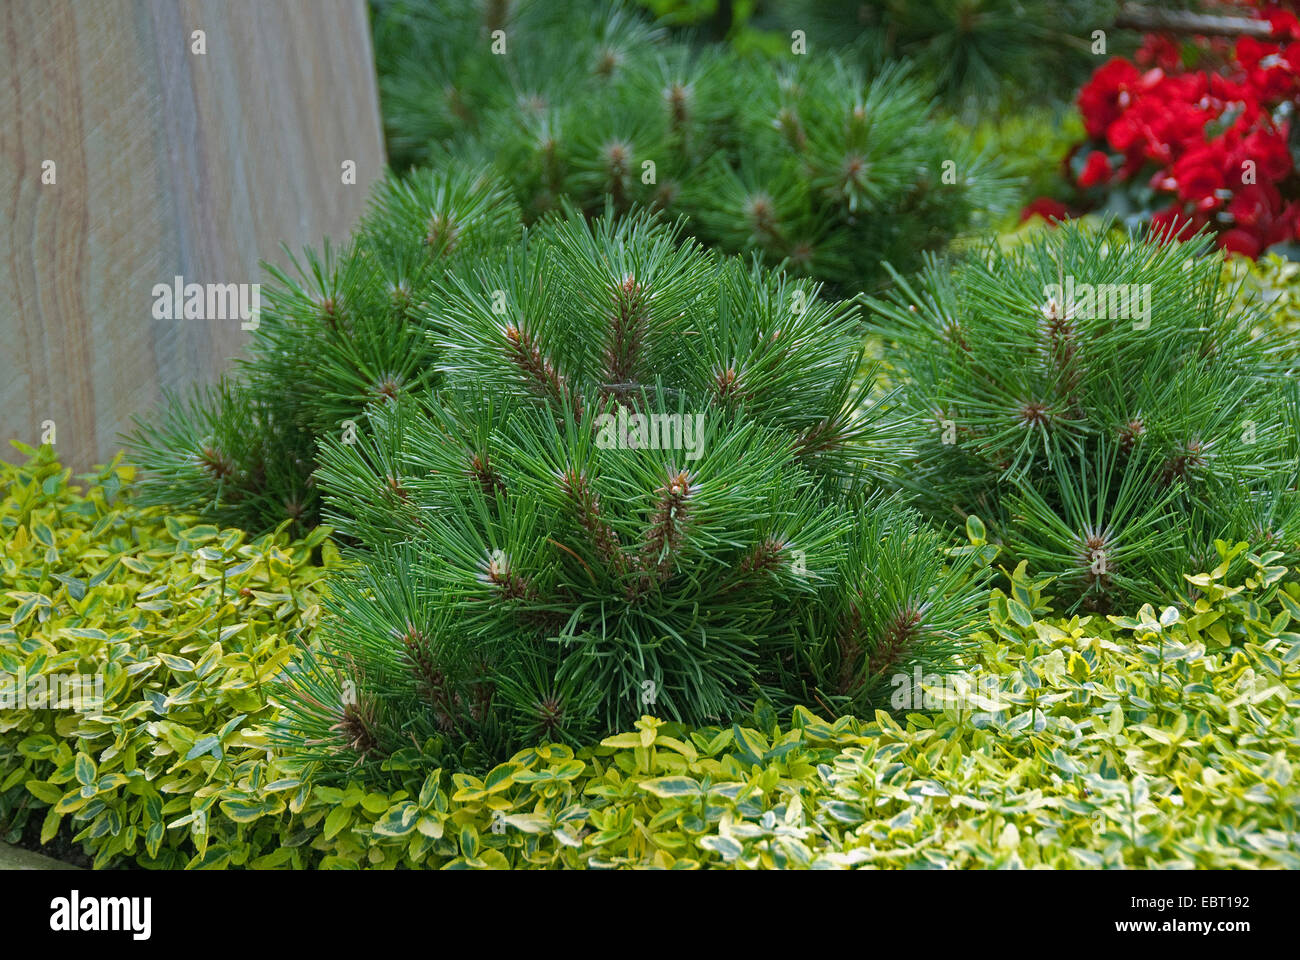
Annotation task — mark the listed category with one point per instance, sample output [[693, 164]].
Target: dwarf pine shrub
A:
[[1095, 397], [647, 481]]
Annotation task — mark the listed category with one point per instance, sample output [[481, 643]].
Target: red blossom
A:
[[1255, 206], [1240, 241], [1047, 208], [1095, 170], [1198, 176], [1268, 148], [1158, 50], [1212, 140], [1284, 24], [1107, 95]]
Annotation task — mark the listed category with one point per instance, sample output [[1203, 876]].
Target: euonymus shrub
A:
[[179, 627]]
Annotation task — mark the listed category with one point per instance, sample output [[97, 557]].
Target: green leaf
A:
[[71, 802], [668, 787], [1289, 604], [622, 741], [398, 821], [76, 587], [468, 841], [85, 768], [85, 633], [725, 847], [45, 792], [285, 783], [50, 826], [336, 820], [1020, 613], [528, 822], [103, 575], [178, 664], [204, 745], [500, 777], [750, 746], [246, 811], [136, 565], [23, 611]]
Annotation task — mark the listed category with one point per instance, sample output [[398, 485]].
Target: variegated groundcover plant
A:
[[1164, 738]]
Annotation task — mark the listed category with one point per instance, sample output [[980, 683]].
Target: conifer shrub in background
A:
[[811, 160], [648, 482], [1096, 398], [821, 169], [440, 77], [1014, 53]]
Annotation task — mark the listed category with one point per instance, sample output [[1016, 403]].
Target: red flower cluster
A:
[[1213, 141]]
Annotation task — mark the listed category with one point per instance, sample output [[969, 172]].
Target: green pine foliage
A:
[[648, 480], [803, 159], [227, 455], [974, 52], [440, 79], [1108, 445], [339, 333]]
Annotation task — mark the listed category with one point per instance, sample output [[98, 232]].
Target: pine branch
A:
[[540, 372], [603, 538], [668, 524]]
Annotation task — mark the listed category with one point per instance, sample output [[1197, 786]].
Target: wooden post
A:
[[129, 158]]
